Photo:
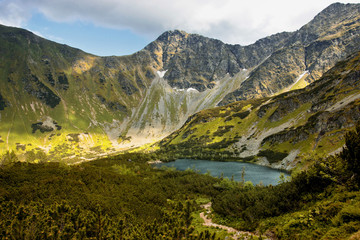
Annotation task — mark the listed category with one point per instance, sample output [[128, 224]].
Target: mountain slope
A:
[[68, 103], [45, 84], [312, 50], [280, 130], [103, 103], [191, 60]]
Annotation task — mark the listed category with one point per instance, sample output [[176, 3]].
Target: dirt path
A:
[[209, 223]]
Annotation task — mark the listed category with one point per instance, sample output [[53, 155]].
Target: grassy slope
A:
[[79, 111]]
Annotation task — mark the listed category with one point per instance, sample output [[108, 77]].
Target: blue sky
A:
[[121, 27], [98, 40]]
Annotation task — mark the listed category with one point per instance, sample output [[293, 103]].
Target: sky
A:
[[122, 27]]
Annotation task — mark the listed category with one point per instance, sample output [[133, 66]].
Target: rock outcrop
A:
[[191, 60]]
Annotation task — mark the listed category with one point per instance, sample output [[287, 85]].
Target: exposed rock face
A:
[[275, 73], [329, 114], [331, 36], [194, 61], [36, 88]]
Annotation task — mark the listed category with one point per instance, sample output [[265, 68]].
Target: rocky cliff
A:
[[191, 60]]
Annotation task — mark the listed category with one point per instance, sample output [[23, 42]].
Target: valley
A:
[[81, 136], [72, 106], [123, 197]]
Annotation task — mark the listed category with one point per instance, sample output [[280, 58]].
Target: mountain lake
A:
[[254, 173]]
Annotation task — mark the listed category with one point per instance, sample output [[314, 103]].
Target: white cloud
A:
[[233, 21], [13, 13]]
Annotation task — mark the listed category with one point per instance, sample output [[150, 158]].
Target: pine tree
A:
[[351, 152]]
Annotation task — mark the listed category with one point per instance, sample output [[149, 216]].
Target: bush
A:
[[351, 153], [272, 156], [348, 214]]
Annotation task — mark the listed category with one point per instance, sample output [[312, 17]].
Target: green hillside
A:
[[277, 131], [73, 106], [62, 99]]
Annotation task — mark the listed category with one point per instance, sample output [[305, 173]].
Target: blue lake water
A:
[[253, 172]]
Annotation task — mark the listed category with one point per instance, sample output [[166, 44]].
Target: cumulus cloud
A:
[[233, 21]]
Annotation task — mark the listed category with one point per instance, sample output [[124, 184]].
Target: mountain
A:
[[307, 53], [278, 131], [69, 104], [55, 95], [191, 60]]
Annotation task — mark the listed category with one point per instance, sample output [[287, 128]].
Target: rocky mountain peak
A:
[[336, 13], [336, 9], [166, 46], [172, 36], [327, 22], [177, 51]]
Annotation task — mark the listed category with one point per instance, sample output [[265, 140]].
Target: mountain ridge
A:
[[105, 104], [224, 58], [320, 44]]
